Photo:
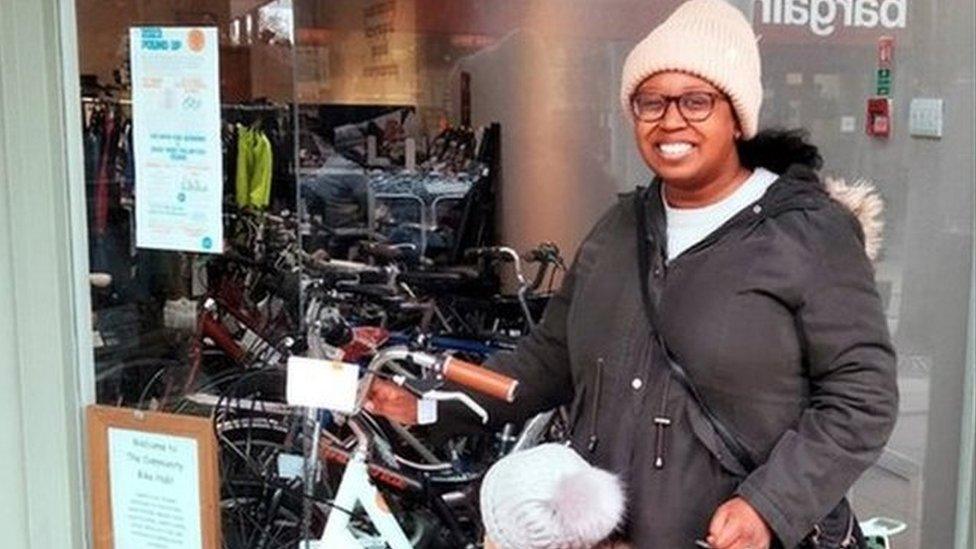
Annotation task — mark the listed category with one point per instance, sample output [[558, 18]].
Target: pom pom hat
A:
[[710, 39], [548, 497]]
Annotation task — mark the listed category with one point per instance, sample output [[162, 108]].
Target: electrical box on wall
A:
[[925, 117], [847, 124], [878, 117]]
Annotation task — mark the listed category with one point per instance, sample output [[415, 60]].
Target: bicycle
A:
[[356, 485]]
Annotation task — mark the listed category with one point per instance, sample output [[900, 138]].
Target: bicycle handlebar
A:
[[389, 252], [501, 253], [471, 376], [479, 379]]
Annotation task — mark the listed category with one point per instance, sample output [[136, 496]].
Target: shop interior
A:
[[419, 173]]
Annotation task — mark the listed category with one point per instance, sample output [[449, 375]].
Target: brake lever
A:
[[460, 397], [417, 387], [384, 451]]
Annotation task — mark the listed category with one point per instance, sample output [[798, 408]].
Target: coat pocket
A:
[[575, 409]]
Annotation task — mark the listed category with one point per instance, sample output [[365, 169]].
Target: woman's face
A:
[[687, 154]]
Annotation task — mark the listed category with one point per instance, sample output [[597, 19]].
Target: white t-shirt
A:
[[689, 226]]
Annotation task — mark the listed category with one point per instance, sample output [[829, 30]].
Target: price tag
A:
[[327, 384], [426, 411]]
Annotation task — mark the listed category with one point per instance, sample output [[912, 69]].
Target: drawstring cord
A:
[[661, 421]]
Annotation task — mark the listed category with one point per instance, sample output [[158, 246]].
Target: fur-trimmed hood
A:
[[787, 153], [861, 197], [801, 186]]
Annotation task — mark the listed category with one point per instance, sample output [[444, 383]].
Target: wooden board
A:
[[101, 418]]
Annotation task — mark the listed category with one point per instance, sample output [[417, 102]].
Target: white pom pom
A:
[[590, 503]]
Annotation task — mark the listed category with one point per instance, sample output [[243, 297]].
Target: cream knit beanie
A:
[[710, 39], [548, 497]]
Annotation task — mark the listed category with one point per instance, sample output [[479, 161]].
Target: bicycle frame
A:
[[357, 487]]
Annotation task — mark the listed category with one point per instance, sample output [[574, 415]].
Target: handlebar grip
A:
[[383, 251], [480, 379], [492, 252]]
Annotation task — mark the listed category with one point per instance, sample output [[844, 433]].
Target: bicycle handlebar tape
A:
[[480, 379]]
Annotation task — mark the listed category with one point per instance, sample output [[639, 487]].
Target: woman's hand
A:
[[393, 402], [736, 525]]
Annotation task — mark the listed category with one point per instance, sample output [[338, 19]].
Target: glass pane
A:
[[413, 139], [186, 331], [923, 275], [547, 72]]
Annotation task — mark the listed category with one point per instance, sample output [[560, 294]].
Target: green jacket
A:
[[253, 185]]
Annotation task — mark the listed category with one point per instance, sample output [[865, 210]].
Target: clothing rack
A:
[[110, 100], [229, 106], [246, 107]]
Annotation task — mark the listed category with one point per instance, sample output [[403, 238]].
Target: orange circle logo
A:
[[195, 40]]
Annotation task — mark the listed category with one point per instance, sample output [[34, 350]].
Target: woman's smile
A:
[[675, 150]]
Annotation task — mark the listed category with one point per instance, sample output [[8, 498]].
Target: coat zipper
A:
[[752, 216], [660, 270], [594, 439], [661, 420]]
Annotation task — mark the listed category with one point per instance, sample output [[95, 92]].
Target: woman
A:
[[758, 285]]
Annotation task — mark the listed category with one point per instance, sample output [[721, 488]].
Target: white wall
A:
[[41, 452]]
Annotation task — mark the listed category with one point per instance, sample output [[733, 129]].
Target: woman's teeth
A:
[[675, 150]]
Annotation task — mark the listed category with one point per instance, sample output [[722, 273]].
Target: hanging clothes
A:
[[109, 181], [228, 146], [125, 162], [105, 163], [254, 164]]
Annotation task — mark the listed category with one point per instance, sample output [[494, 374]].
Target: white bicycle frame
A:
[[356, 487]]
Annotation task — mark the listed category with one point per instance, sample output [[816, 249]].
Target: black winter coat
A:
[[777, 319]]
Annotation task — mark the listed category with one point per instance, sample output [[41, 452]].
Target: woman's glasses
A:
[[694, 106]]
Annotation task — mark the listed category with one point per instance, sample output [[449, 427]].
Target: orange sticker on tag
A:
[[196, 40]]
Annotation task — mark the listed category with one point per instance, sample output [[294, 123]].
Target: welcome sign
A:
[[154, 480]]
